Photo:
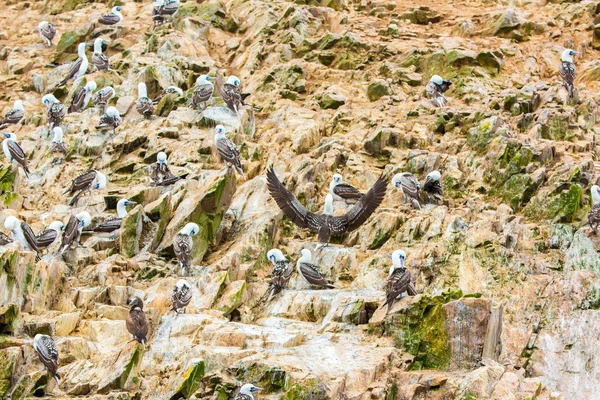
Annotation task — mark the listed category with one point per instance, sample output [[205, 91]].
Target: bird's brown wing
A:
[[17, 154], [202, 94], [100, 61], [4, 239], [48, 354], [312, 274], [182, 245], [109, 19], [231, 96], [45, 238], [229, 153], [346, 191], [396, 284], [72, 70], [567, 72], [70, 233], [367, 204], [13, 116], [29, 236], [82, 182], [77, 100]]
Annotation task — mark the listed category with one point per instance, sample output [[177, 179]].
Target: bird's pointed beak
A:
[[255, 388], [388, 255], [6, 135], [208, 78], [130, 203]]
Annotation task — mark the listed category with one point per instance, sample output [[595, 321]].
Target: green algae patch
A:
[[190, 381], [310, 389], [8, 316], [271, 378], [566, 207]]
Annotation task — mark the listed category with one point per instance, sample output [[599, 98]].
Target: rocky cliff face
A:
[[506, 273]]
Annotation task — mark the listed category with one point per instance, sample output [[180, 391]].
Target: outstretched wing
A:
[[367, 204]]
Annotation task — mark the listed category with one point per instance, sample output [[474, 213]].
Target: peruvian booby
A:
[[21, 232], [85, 182], [45, 347], [435, 90], [81, 97], [99, 60], [399, 280], [47, 32], [183, 244], [228, 151], [14, 116], [327, 224], [203, 91], [594, 213], [58, 148], [110, 119], [144, 105], [247, 392], [182, 295], [4, 239], [342, 191], [410, 187], [112, 224], [72, 232], [310, 272], [14, 152], [168, 91], [160, 173], [136, 322], [433, 186], [282, 272], [102, 97], [165, 8], [55, 110], [78, 67], [112, 18], [48, 237], [567, 70], [232, 95]]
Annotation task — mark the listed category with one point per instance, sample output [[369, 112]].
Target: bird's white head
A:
[[49, 99], [142, 92], [58, 226], [110, 90], [437, 80], [11, 223], [10, 136], [112, 112], [337, 178], [161, 157], [398, 258], [233, 80], [595, 194], [190, 229], [18, 105], [175, 89], [81, 49], [203, 80], [434, 175], [100, 181], [122, 207], [84, 218], [90, 86], [248, 389], [42, 25], [98, 45], [396, 180], [116, 10], [567, 55], [182, 283], [275, 255], [305, 256], [58, 134], [220, 131]]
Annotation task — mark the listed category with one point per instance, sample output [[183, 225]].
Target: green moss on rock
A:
[[66, 48], [377, 90], [8, 316], [190, 381]]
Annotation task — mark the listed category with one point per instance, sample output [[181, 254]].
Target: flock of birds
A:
[[326, 225]]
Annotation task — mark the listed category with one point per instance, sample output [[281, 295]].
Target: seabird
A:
[[99, 60], [410, 187], [21, 232], [594, 213], [110, 119], [327, 224], [87, 181], [112, 224], [182, 295], [168, 91], [14, 152], [165, 8], [58, 148], [435, 90], [182, 245], [203, 91], [433, 186], [4, 239], [160, 173], [72, 232], [46, 350], [282, 272], [14, 116], [81, 97], [310, 272], [78, 67], [398, 281], [567, 70], [144, 105], [47, 32], [48, 237], [102, 97], [55, 110], [247, 392], [231, 94], [112, 18], [137, 323], [342, 191], [228, 150]]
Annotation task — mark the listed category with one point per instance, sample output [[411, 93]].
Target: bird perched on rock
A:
[[85, 182], [55, 110], [433, 186], [594, 213], [227, 150], [78, 67], [114, 17], [46, 238], [399, 280], [102, 97], [282, 272], [14, 152], [410, 187], [47, 32], [99, 60], [81, 97], [247, 392], [203, 91], [343, 191], [435, 90], [110, 119], [310, 272], [46, 350], [112, 225], [22, 233], [58, 148], [182, 295], [136, 322], [232, 95], [160, 173], [567, 71], [168, 91], [72, 232], [327, 224], [14, 116], [4, 239], [183, 244], [163, 9], [144, 105]]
